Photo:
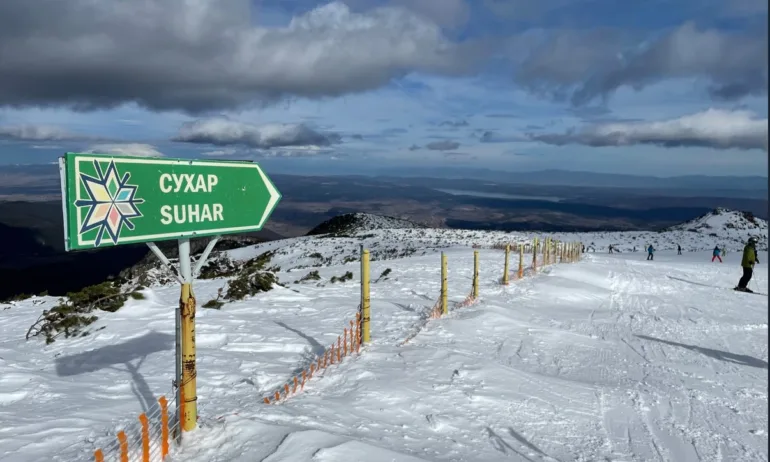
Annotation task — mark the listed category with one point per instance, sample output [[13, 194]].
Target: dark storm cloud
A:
[[444, 145], [200, 55]]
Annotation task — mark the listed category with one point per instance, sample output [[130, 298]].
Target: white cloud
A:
[[713, 128], [38, 133], [222, 131], [220, 152], [125, 149]]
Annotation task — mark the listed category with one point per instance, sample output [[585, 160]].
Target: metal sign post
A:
[[115, 200]]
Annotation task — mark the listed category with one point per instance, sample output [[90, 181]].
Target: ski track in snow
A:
[[613, 358]]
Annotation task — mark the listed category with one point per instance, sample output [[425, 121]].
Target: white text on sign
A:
[[189, 213], [175, 182]]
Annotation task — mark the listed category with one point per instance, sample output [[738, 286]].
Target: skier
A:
[[650, 251], [610, 248], [716, 253], [678, 249], [748, 262]]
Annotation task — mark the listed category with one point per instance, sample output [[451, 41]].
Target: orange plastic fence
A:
[[144, 421], [344, 346]]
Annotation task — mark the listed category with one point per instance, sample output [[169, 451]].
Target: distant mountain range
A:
[[43, 179], [588, 179]]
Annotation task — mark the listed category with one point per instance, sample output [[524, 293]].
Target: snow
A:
[[611, 358]]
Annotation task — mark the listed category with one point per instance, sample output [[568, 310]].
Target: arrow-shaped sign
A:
[[113, 200]]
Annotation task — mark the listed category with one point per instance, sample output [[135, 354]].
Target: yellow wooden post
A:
[[187, 308], [521, 263], [475, 292], [505, 268], [444, 302], [365, 299]]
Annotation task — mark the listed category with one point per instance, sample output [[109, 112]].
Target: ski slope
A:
[[612, 358]]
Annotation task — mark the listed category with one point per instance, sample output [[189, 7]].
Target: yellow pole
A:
[[189, 373], [444, 303], [505, 269], [521, 262], [475, 292], [365, 299]]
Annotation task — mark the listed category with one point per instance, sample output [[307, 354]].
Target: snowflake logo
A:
[[112, 203]]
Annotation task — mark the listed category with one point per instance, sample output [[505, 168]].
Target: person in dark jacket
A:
[[678, 249], [650, 252], [747, 262]]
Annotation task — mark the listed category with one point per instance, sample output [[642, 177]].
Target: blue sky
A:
[[660, 87]]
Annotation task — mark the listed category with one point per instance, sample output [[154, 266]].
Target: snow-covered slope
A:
[[612, 358]]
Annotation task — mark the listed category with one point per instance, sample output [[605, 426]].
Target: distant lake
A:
[[460, 192]]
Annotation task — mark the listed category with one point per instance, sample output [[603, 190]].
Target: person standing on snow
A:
[[678, 249], [717, 251], [650, 251], [748, 262]]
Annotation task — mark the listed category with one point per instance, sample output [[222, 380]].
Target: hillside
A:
[[354, 222], [726, 224]]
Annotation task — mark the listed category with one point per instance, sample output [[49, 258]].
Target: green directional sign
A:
[[113, 200]]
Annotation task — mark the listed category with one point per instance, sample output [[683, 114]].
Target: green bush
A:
[[250, 284], [213, 304], [345, 277], [73, 314], [311, 276]]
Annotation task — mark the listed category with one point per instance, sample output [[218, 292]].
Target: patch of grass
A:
[[16, 298], [311, 276], [345, 277], [384, 275]]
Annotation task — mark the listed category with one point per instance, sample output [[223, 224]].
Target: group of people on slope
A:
[[748, 260], [650, 251]]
